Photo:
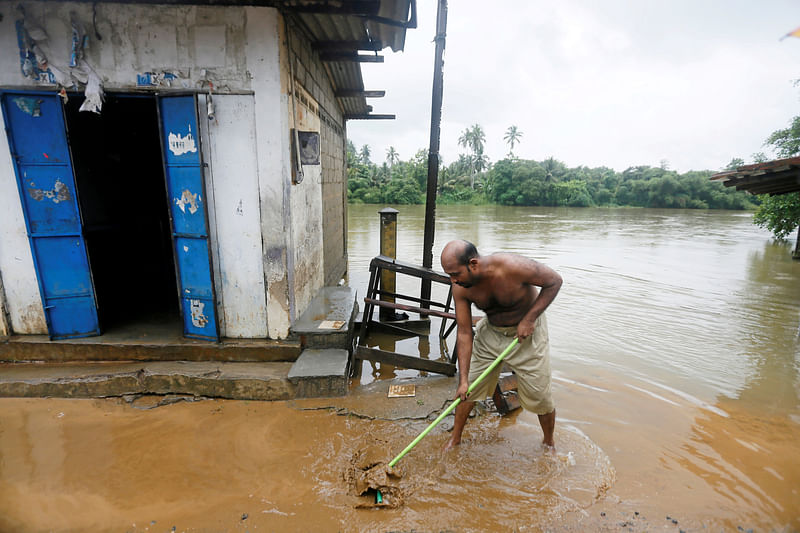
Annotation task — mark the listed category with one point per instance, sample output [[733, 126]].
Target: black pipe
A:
[[433, 150]]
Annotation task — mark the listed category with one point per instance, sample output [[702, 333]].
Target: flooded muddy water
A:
[[102, 465], [675, 355]]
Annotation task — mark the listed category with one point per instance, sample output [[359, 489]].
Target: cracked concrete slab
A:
[[241, 381]]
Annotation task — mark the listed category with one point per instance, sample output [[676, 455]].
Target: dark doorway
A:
[[123, 201]]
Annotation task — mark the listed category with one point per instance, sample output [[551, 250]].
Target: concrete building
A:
[[176, 162]]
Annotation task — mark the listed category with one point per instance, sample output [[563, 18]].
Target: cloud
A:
[[617, 84]]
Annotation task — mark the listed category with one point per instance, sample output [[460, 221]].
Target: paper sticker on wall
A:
[[179, 144], [187, 198], [29, 105], [199, 320]]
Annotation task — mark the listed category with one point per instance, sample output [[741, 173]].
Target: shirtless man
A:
[[504, 286]]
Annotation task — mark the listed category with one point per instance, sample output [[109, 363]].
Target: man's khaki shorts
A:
[[530, 360]]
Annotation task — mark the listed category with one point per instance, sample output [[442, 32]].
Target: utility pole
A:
[[433, 150]]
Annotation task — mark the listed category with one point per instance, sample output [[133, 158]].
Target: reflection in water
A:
[[749, 456], [770, 333], [749, 459]]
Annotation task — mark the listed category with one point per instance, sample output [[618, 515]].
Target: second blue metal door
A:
[[183, 170]]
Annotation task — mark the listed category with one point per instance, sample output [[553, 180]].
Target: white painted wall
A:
[[263, 40], [306, 203], [20, 288], [229, 145]]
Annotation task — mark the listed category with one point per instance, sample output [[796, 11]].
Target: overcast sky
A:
[[614, 83]]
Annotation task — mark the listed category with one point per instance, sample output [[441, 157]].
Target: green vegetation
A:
[[781, 214], [473, 180]]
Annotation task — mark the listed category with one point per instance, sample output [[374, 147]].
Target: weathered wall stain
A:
[[30, 320], [275, 254], [278, 307], [59, 192]]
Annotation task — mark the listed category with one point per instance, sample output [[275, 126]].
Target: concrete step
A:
[[320, 373], [331, 307], [19, 348], [240, 381]]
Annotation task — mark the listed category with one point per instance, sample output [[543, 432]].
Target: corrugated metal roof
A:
[[378, 21], [779, 176], [372, 28]]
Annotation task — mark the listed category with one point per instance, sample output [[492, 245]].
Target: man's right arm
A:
[[463, 310]]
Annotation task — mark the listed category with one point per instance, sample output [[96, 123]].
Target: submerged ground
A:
[[110, 465]]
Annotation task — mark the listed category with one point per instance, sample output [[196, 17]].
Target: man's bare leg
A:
[[462, 412], [548, 423]]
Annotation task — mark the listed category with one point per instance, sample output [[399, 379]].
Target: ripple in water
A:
[[500, 477]]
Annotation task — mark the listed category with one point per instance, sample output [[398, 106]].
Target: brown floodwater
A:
[[675, 356]]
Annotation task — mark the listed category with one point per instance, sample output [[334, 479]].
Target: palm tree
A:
[[365, 153], [392, 156], [481, 162], [473, 139], [553, 169], [478, 138], [465, 141], [512, 137]]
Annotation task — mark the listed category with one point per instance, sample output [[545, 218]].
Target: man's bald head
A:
[[459, 250], [460, 261]]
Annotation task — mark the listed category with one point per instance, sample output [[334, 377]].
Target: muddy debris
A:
[[152, 401], [369, 472]]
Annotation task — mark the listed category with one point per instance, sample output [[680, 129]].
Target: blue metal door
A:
[[183, 170], [37, 137]]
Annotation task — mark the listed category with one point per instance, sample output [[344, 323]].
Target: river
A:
[[675, 356], [674, 338]]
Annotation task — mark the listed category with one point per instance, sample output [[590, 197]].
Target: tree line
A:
[[472, 179]]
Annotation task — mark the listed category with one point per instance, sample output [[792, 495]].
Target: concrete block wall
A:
[[311, 73]]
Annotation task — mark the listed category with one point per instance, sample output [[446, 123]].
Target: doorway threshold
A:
[[147, 339]]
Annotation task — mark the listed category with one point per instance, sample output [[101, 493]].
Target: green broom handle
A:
[[455, 402]]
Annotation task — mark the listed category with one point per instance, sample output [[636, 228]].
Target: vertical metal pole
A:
[[389, 249], [433, 150], [796, 253]]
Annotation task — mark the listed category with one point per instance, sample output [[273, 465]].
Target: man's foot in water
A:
[[549, 448], [450, 444]]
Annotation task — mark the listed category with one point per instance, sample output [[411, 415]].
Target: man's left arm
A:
[[549, 282]]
